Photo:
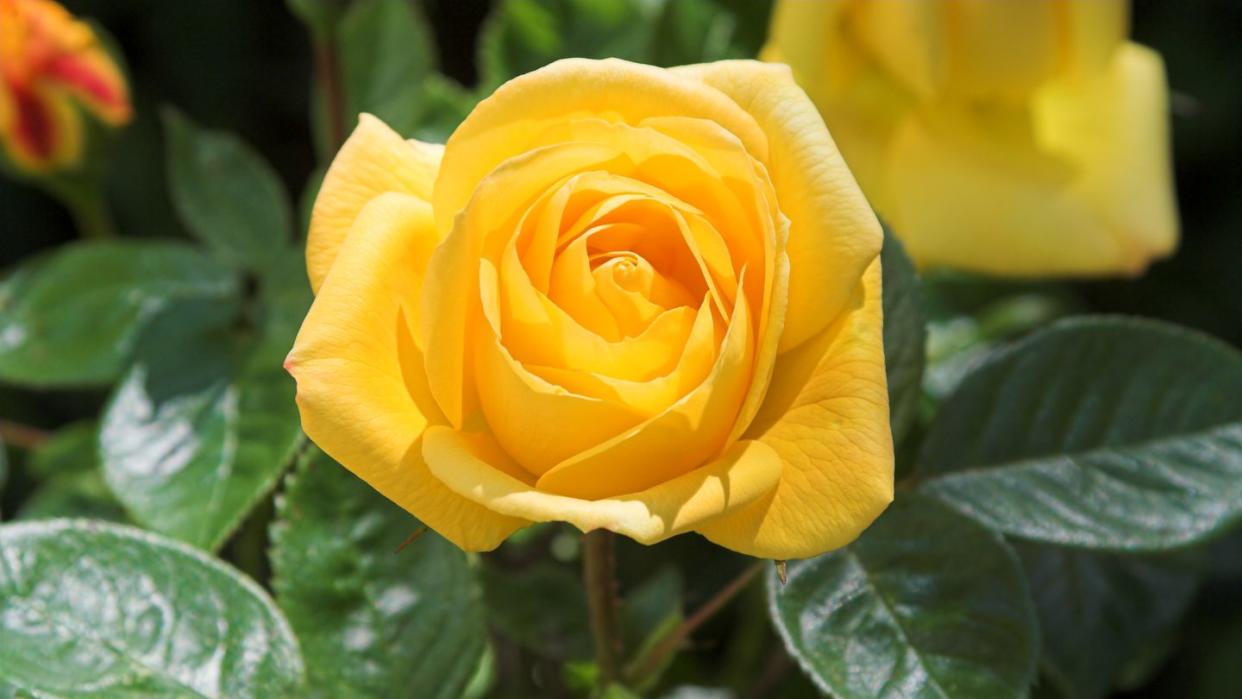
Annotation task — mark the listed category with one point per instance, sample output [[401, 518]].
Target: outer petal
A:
[[373, 160], [504, 125], [1083, 189], [466, 463], [833, 234], [361, 389], [826, 416]]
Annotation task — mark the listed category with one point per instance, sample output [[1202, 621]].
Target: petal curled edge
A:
[[505, 124], [746, 471], [826, 416], [1089, 193], [833, 233], [374, 160], [361, 391]]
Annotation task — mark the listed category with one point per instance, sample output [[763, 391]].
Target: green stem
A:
[[599, 575], [89, 208]]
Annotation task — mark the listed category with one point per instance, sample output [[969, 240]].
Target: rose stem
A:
[[21, 436], [328, 70], [655, 659], [599, 575]]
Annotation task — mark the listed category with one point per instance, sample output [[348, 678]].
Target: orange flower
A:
[[48, 61]]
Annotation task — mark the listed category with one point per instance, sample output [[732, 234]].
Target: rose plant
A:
[[585, 366]]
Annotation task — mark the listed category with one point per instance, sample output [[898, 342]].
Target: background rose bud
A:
[[1013, 138], [50, 63], [624, 297]]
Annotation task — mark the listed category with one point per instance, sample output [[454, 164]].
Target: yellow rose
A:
[[623, 297], [1013, 138]]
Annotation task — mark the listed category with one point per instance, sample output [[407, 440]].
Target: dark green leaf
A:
[[522, 35], [71, 317], [926, 603], [198, 432], [905, 333], [373, 621], [700, 31], [226, 194], [542, 608], [71, 450], [81, 495], [91, 609], [1104, 432], [1097, 611], [386, 51]]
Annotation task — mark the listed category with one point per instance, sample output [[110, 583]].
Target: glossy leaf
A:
[[373, 621], [905, 335], [927, 603], [71, 317], [198, 432], [226, 194], [1106, 433], [1097, 611], [100, 610]]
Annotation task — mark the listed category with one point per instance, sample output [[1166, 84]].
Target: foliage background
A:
[[246, 67]]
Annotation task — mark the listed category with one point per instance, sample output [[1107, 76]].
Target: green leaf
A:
[[386, 50], [1105, 433], [927, 603], [71, 317], [71, 484], [522, 35], [1098, 611], [92, 609], [542, 608], [373, 621], [81, 495], [905, 334], [442, 107], [700, 31], [226, 194], [198, 432], [71, 450]]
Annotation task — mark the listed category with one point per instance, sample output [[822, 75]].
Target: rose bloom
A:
[[1009, 137], [624, 297], [50, 63]]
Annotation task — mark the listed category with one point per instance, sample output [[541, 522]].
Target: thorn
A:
[[414, 536], [782, 571]]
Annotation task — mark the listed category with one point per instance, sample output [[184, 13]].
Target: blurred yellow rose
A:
[[623, 297], [51, 62], [1013, 138]]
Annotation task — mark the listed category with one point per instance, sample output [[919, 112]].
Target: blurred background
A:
[[246, 66]]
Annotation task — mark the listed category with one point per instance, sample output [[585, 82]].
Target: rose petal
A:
[[467, 465], [361, 390], [826, 416], [373, 160]]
